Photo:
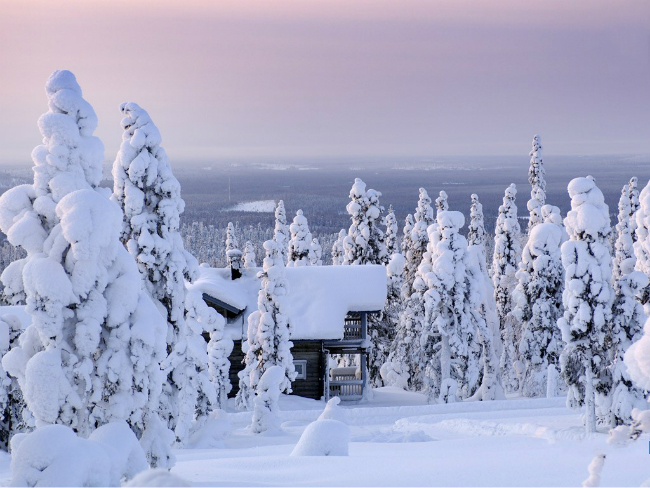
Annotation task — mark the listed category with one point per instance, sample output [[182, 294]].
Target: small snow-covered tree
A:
[[536, 178], [249, 256], [365, 242], [416, 239], [505, 262], [233, 253], [442, 204], [269, 329], [267, 394], [338, 252], [538, 305], [633, 195], [624, 259], [476, 235], [392, 244], [300, 242], [315, 253], [588, 296], [93, 350], [150, 197], [281, 233]]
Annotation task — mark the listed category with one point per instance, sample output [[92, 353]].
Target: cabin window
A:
[[300, 366]]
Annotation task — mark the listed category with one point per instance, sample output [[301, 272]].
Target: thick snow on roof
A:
[[319, 296]]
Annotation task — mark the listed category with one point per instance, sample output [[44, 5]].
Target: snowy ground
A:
[[398, 440], [260, 206]]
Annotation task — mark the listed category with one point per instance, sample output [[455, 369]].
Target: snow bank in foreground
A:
[[323, 438], [55, 456], [157, 477]]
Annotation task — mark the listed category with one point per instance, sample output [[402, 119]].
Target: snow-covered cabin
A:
[[328, 307]]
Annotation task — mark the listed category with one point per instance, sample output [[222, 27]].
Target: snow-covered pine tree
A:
[[505, 262], [338, 252], [536, 178], [281, 232], [538, 305], [633, 194], [442, 203], [416, 239], [315, 253], [588, 296], [365, 242], [14, 417], [300, 242], [150, 198], [267, 394], [476, 235], [249, 256], [92, 352], [233, 253], [392, 244], [624, 259], [269, 329]]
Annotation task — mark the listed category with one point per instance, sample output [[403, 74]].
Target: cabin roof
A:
[[319, 297]]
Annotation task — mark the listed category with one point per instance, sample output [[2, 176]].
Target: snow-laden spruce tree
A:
[[281, 233], [476, 235], [628, 318], [150, 198], [537, 180], [505, 262], [249, 256], [14, 417], [300, 243], [442, 203], [642, 242], [538, 305], [448, 312], [269, 329], [267, 394], [338, 252], [588, 296], [315, 253], [92, 352], [633, 195], [365, 242], [416, 239], [392, 244], [233, 253], [624, 259]]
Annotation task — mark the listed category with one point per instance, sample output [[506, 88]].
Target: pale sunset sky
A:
[[338, 78]]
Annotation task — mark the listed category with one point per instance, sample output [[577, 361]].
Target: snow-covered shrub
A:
[[91, 354], [300, 243], [595, 469], [338, 251], [267, 394], [315, 253], [249, 256], [536, 178], [150, 197], [281, 233], [54, 455], [365, 242], [588, 296], [326, 437], [333, 411], [538, 305], [505, 262]]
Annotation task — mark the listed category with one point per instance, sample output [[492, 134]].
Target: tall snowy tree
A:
[[392, 245], [505, 262], [624, 259], [300, 243], [249, 256], [338, 252], [92, 352], [538, 305], [476, 235], [365, 242], [416, 239], [315, 253], [536, 178], [442, 204], [233, 253], [588, 296], [269, 329], [281, 233], [633, 194], [150, 197]]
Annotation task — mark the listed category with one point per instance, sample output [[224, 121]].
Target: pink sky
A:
[[321, 78]]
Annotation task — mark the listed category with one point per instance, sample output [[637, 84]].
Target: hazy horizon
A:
[[273, 79]]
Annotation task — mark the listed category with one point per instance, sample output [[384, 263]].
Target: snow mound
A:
[[260, 206], [211, 434], [55, 456], [157, 477], [333, 411], [326, 437]]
